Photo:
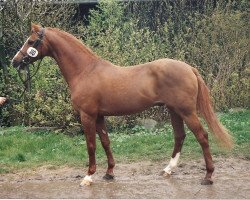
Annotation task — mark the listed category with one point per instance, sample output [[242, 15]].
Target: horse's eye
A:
[[30, 42]]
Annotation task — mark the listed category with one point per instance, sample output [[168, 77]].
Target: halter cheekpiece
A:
[[32, 51]]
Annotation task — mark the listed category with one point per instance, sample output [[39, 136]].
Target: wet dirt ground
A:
[[134, 180]]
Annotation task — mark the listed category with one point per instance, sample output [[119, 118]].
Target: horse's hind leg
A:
[[195, 126], [179, 136], [103, 134]]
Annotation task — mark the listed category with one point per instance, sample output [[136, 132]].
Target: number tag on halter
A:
[[32, 52]]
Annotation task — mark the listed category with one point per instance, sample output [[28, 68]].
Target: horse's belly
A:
[[125, 108]]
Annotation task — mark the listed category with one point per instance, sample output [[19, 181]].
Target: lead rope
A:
[[28, 77]]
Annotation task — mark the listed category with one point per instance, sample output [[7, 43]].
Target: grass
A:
[[21, 149]]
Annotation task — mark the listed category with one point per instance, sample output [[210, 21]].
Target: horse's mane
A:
[[73, 40]]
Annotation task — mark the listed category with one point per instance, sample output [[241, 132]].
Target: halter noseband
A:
[[32, 50]]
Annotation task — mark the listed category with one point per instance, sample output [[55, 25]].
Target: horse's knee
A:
[[91, 149]]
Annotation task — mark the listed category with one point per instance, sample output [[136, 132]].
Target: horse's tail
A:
[[205, 108]]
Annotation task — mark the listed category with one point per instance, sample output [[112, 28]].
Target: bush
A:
[[212, 37]]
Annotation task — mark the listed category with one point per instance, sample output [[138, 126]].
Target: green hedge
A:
[[213, 38]]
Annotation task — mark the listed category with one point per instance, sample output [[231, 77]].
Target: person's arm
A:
[[2, 100]]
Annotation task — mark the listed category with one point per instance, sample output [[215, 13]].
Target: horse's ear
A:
[[35, 28]]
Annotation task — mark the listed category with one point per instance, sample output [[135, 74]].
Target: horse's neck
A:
[[72, 57]]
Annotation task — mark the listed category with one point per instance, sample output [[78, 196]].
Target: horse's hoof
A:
[[87, 181], [162, 173], [108, 177], [166, 173], [206, 182]]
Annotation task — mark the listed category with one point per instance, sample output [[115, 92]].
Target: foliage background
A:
[[210, 35]]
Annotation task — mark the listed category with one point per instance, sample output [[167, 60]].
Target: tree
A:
[[15, 21]]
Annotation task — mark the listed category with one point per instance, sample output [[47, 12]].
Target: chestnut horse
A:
[[99, 88]]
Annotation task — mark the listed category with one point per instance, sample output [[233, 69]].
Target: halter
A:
[[32, 51]]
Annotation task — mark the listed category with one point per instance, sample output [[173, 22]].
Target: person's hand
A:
[[2, 100]]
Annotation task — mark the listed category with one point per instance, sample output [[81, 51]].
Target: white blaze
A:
[[20, 49]]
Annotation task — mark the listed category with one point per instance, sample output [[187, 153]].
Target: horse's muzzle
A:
[[15, 63], [18, 64]]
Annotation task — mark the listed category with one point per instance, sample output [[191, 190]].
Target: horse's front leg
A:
[[88, 123], [103, 134]]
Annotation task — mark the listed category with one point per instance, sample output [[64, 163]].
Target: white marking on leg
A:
[[86, 181], [172, 164]]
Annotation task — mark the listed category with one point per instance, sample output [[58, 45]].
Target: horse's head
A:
[[32, 50]]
